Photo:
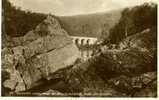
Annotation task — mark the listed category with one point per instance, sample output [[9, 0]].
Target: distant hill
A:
[[17, 22], [91, 24]]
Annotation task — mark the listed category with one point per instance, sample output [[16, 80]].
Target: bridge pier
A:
[[81, 42]]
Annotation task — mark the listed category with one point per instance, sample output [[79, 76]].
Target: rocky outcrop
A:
[[114, 74], [128, 62], [131, 68], [43, 61], [127, 72], [37, 55], [147, 39], [49, 26]]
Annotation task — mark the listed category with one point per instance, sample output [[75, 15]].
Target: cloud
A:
[[73, 7]]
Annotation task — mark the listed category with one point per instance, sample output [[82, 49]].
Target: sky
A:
[[74, 7]]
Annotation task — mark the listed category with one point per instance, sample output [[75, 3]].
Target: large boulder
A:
[[37, 55], [43, 65]]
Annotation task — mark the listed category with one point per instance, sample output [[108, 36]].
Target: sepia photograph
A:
[[79, 48]]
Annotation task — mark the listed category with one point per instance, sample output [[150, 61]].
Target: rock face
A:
[[147, 39], [129, 72], [126, 62], [37, 55]]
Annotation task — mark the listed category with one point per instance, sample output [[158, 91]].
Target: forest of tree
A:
[[17, 22], [134, 20]]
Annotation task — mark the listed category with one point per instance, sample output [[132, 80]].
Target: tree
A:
[[17, 22], [86, 29], [134, 20]]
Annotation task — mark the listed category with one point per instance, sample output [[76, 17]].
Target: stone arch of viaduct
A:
[[83, 40]]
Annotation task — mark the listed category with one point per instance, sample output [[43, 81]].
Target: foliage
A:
[[134, 20], [17, 22], [90, 24]]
